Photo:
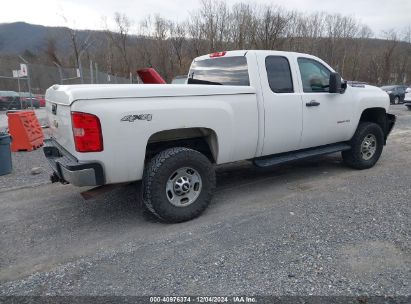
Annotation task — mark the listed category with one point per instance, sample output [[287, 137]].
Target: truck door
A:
[[282, 106], [327, 117]]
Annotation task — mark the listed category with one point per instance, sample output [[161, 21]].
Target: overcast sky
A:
[[88, 14]]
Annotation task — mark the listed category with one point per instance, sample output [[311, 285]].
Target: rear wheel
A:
[[396, 99], [178, 184], [366, 146]]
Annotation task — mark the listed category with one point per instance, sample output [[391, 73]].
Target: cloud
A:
[[378, 14]]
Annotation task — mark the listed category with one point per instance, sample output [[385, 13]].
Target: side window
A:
[[279, 74], [314, 75]]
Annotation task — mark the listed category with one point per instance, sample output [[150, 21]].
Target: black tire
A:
[[353, 157], [409, 108], [396, 100], [158, 173]]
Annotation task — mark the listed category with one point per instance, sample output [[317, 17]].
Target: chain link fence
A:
[[42, 77]]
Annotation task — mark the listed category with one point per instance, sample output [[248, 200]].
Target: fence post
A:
[[91, 72], [80, 67], [95, 64], [18, 83], [28, 80]]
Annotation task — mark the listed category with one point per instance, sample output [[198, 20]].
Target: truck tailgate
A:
[[59, 119]]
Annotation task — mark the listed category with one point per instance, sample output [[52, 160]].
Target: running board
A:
[[287, 157]]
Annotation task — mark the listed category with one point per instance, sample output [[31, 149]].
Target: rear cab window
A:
[[232, 70], [279, 74]]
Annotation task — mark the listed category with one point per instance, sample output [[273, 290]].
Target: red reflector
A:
[[218, 54], [87, 132]]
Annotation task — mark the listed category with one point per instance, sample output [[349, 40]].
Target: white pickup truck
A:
[[267, 107]]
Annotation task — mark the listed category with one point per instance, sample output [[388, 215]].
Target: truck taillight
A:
[[87, 132]]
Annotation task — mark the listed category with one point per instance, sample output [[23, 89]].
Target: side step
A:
[[287, 157]]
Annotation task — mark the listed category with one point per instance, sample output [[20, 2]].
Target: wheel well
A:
[[203, 140], [376, 115]]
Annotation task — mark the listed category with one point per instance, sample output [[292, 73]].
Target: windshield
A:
[[220, 71]]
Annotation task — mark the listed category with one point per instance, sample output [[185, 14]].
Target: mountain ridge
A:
[[17, 37]]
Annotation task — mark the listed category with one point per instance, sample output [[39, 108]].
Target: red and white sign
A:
[[23, 70], [17, 74]]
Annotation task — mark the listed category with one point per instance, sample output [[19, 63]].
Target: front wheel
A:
[[396, 100], [178, 184], [366, 146]]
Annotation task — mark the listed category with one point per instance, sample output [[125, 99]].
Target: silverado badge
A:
[[132, 118]]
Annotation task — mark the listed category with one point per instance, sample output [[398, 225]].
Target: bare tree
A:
[[78, 44], [178, 40], [388, 55], [170, 46], [244, 25], [209, 22], [196, 33], [119, 39], [357, 48], [272, 25], [161, 33], [51, 50]]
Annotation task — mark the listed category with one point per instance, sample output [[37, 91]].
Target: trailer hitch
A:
[[55, 178]]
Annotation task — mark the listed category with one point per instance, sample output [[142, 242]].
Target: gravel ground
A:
[[312, 228], [23, 163]]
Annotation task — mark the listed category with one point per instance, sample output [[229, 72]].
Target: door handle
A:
[[312, 103]]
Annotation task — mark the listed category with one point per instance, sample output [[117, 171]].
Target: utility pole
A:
[[28, 80]]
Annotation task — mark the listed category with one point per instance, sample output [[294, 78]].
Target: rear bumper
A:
[[69, 170]]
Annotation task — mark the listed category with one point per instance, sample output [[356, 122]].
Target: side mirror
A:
[[335, 83]]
